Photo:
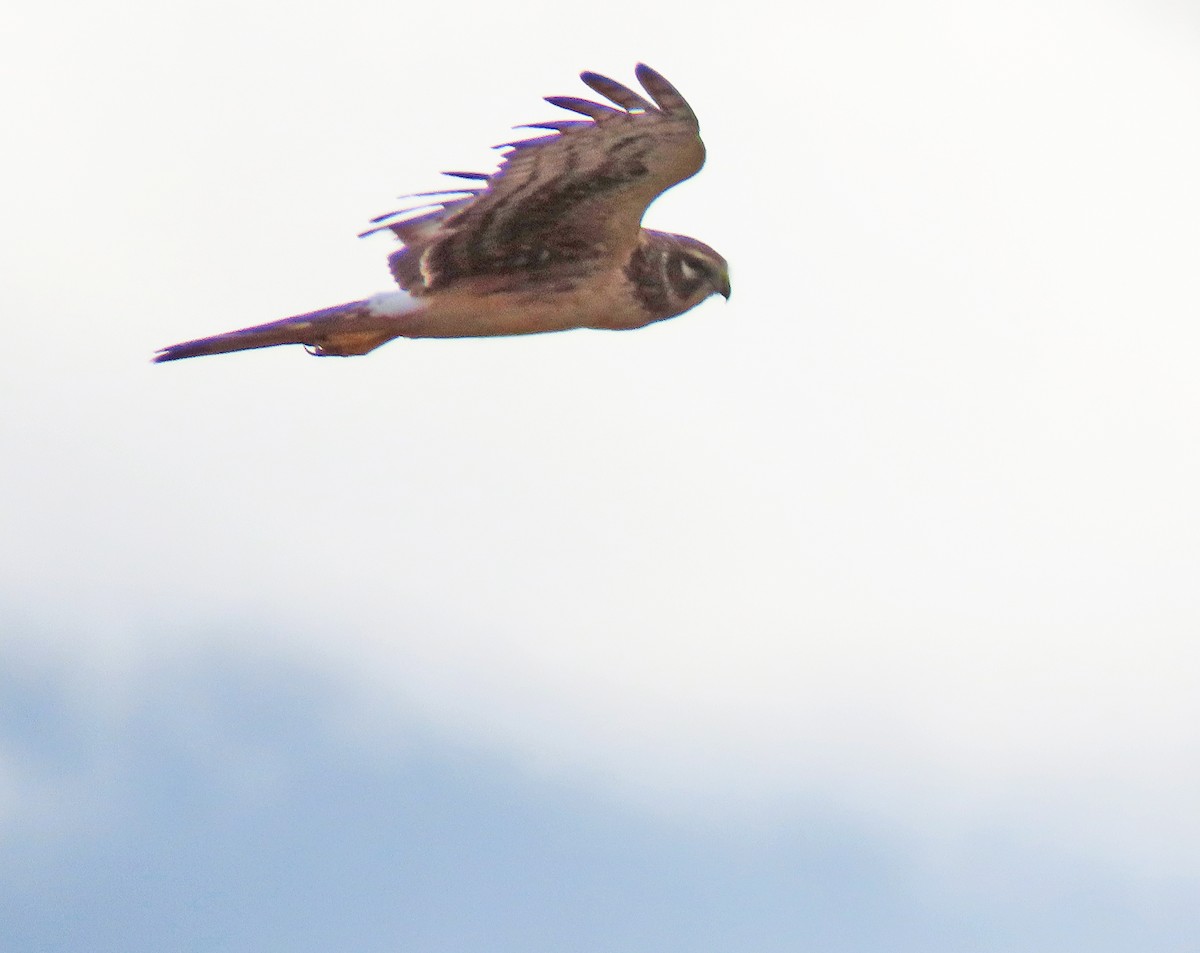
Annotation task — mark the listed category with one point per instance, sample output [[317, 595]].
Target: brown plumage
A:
[[551, 240]]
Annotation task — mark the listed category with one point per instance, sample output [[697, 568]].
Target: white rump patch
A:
[[392, 304]]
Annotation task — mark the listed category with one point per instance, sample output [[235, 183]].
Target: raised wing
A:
[[559, 205]]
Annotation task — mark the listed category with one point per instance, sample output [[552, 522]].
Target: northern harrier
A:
[[551, 240]]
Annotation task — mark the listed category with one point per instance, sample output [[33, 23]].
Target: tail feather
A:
[[347, 329]]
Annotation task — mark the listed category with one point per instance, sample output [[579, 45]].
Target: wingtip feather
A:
[[620, 94], [596, 111], [663, 92]]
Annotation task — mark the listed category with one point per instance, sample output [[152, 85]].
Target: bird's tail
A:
[[347, 329]]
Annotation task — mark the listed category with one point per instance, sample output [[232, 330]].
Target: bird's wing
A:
[[564, 203]]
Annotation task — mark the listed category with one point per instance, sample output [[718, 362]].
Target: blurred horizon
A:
[[227, 810]]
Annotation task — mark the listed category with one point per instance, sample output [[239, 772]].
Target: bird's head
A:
[[694, 268], [690, 269]]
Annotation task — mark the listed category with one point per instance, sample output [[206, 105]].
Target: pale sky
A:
[[906, 534]]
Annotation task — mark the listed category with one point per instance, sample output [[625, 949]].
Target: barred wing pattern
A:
[[560, 205]]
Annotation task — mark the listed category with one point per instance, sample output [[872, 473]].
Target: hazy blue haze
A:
[[435, 847]]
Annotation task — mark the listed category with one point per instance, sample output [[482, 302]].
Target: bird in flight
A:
[[552, 240]]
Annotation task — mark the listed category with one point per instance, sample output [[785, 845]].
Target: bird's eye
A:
[[693, 267]]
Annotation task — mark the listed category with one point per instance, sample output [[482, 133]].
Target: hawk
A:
[[552, 240]]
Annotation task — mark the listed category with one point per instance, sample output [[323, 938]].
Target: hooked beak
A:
[[725, 290]]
